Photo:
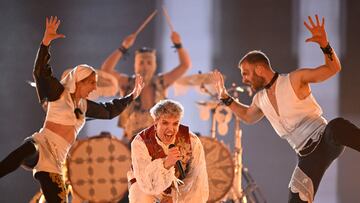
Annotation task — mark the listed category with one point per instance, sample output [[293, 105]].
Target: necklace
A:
[[273, 79]]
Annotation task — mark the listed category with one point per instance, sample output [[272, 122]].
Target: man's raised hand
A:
[[317, 30]]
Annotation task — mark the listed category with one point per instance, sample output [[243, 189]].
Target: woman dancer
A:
[[45, 151]]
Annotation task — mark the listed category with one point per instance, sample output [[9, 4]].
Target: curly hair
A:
[[167, 107]]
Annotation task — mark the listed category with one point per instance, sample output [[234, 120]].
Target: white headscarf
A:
[[77, 74]]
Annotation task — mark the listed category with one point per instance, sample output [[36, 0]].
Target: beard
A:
[[258, 83]]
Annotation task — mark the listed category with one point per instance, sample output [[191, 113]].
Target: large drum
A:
[[220, 168], [97, 168]]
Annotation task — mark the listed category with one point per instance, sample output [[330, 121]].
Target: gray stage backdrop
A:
[[95, 28]]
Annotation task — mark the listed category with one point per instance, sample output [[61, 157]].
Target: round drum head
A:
[[220, 168], [97, 168]]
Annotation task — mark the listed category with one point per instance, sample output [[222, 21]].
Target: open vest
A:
[[135, 117], [182, 141]]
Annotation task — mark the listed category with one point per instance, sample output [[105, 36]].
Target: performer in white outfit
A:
[[155, 176], [286, 101], [45, 151]]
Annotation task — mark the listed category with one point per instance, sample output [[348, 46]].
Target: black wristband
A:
[[129, 98], [123, 50], [177, 46], [227, 101], [328, 51]]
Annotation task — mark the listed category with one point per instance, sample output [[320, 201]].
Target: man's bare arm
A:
[[332, 63], [112, 60], [185, 62], [248, 114]]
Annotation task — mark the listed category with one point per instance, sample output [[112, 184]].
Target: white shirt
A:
[[297, 120], [152, 178]]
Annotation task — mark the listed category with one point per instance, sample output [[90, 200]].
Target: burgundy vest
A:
[[182, 141]]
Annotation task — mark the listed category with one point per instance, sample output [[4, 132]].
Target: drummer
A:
[[136, 117], [162, 154]]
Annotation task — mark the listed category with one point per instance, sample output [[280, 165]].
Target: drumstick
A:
[[148, 19], [167, 17]]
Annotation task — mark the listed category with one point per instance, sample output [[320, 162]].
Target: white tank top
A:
[[298, 120], [61, 111]]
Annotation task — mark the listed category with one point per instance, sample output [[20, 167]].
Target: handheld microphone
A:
[[178, 165]]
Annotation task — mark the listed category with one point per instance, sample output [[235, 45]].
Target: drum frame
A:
[[231, 166], [83, 141]]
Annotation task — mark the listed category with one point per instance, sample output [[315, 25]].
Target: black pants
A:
[[53, 187], [338, 133], [52, 184]]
